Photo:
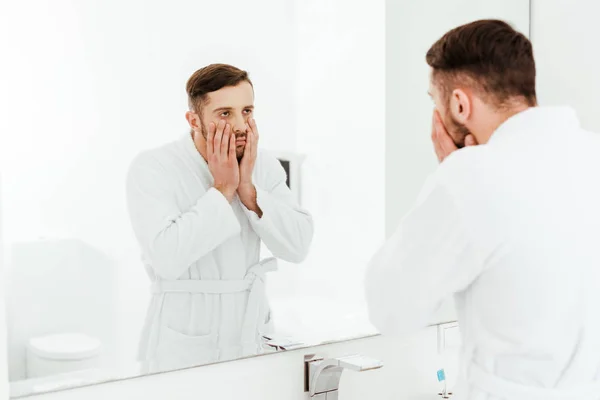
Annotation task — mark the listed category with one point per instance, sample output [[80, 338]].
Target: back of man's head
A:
[[489, 57]]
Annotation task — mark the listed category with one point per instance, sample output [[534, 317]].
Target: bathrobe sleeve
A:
[[428, 258], [285, 228], [173, 239]]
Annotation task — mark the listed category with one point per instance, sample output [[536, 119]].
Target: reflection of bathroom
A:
[[78, 304], [306, 296], [60, 299], [60, 196]]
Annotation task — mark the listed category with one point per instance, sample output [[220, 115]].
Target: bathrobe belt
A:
[[254, 282]]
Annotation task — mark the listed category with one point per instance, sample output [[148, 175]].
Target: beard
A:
[[239, 150]]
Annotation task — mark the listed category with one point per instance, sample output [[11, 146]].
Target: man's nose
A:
[[239, 125]]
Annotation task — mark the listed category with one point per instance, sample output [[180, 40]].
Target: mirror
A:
[[111, 269], [120, 260]]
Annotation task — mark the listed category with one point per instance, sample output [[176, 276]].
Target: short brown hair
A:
[[210, 79], [488, 55]]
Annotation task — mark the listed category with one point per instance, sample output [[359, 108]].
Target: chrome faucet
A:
[[322, 376]]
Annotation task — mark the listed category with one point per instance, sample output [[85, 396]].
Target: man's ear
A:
[[192, 119], [460, 106]]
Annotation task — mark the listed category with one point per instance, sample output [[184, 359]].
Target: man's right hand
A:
[[222, 160], [442, 141]]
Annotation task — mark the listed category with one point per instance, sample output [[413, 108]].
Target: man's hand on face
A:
[[250, 151], [442, 141], [246, 189], [222, 160]]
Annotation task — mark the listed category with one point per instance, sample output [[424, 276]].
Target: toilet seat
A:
[[65, 346]]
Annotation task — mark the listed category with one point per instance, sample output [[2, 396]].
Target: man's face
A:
[[234, 105], [457, 131]]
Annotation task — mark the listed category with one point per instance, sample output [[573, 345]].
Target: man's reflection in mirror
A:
[[200, 207]]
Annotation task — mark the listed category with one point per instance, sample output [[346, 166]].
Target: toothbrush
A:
[[441, 375]]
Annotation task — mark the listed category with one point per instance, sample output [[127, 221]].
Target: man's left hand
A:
[[246, 189], [249, 158]]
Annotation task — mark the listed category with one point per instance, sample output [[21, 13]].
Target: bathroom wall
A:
[[563, 34]]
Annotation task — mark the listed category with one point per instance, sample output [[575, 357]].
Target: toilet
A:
[[61, 353]]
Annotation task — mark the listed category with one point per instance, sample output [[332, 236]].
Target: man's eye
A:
[[225, 114], [248, 111]]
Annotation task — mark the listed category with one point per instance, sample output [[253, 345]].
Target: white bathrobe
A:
[[203, 254], [512, 230]]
